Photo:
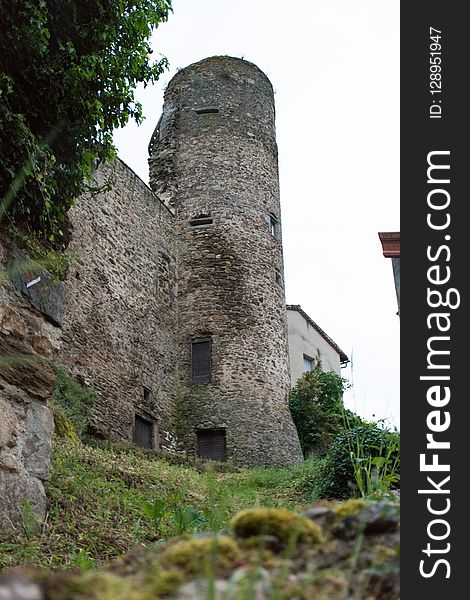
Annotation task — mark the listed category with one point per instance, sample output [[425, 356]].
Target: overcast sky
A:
[[334, 65]]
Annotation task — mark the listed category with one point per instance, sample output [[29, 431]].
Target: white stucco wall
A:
[[304, 339]]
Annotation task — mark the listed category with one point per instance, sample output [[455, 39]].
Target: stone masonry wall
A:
[[214, 155], [119, 331]]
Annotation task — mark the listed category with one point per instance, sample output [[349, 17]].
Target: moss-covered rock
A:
[[93, 586], [63, 427], [350, 508], [324, 566], [199, 554], [286, 526]]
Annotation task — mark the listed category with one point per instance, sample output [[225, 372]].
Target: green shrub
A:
[[316, 405], [74, 402], [362, 461]]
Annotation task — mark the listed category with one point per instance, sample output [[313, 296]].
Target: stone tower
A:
[[213, 161]]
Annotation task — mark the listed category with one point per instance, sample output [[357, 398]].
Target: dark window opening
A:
[[201, 220], [273, 225], [143, 432], [207, 110], [211, 444], [278, 277], [148, 396], [201, 361]]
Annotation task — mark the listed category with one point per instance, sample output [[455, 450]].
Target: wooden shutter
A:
[[201, 361], [143, 432], [211, 444]]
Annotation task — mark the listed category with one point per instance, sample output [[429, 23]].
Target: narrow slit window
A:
[[273, 225], [207, 110], [143, 432], [211, 444], [278, 277], [201, 221], [201, 351]]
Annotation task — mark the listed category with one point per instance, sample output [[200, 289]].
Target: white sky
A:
[[334, 65]]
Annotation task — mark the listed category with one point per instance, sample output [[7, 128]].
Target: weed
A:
[[29, 518], [107, 500]]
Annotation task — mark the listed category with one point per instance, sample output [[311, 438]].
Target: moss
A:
[[194, 555], [163, 583], [94, 586], [330, 584], [282, 524], [349, 508], [383, 554], [104, 585], [63, 427]]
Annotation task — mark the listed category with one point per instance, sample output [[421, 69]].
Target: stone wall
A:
[[119, 325], [27, 341], [111, 324], [214, 160]]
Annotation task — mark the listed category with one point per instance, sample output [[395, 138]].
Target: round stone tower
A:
[[213, 161]]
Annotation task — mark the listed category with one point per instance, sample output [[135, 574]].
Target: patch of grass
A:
[[104, 501]]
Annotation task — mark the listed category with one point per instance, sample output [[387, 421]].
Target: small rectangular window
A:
[[211, 444], [308, 364], [148, 396], [207, 110], [143, 432], [201, 221], [201, 351]]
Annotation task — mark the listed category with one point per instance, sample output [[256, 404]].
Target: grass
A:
[[104, 501]]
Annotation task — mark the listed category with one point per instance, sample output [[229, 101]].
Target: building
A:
[[309, 344], [391, 249], [175, 311]]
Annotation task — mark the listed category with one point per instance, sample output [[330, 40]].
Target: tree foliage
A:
[[68, 72], [316, 405]]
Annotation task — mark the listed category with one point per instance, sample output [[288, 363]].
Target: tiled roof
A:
[[390, 243], [342, 356]]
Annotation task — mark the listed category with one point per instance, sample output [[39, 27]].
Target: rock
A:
[[23, 502], [37, 284], [27, 371], [28, 341], [282, 524], [321, 515], [223, 568], [37, 446], [19, 587], [199, 590], [380, 517], [371, 519]]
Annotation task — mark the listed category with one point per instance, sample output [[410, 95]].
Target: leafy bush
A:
[[74, 402], [362, 461], [316, 405]]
